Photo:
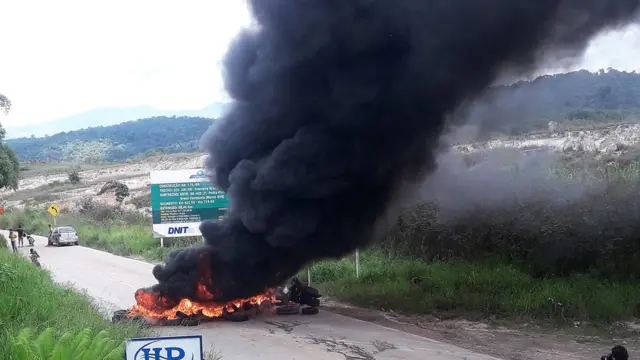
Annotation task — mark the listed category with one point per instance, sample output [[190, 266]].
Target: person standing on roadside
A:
[[20, 236], [49, 243], [12, 237]]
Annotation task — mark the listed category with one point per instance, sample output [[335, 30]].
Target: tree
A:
[[5, 104], [9, 165]]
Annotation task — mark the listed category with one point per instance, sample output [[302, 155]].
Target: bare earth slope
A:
[[54, 187], [44, 188]]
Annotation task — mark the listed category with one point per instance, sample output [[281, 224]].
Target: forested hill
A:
[[579, 96], [116, 142], [576, 98]]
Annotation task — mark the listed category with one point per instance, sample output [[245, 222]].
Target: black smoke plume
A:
[[339, 107]]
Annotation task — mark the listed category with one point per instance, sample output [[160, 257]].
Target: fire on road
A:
[[112, 281]]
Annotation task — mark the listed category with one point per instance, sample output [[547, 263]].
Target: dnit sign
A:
[[165, 348], [178, 230]]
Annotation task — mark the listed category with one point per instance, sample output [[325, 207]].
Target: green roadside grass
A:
[[30, 299], [474, 290]]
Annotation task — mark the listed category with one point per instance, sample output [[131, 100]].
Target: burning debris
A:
[[153, 309]]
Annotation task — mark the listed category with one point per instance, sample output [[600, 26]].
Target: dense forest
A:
[[578, 97], [116, 142]]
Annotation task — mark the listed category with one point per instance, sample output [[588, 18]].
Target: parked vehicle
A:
[[64, 235]]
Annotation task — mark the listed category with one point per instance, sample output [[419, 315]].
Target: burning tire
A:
[[313, 302], [181, 322], [119, 316], [236, 317], [190, 322], [310, 311], [290, 299], [288, 309], [123, 315]]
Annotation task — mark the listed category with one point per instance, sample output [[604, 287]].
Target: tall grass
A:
[[596, 233], [30, 298], [474, 290]]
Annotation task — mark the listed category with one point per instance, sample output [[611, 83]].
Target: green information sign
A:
[[179, 207]]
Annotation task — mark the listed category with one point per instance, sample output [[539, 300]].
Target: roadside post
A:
[[357, 263], [181, 200], [53, 210]]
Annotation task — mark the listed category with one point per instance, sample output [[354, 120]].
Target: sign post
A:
[[181, 200], [53, 210]]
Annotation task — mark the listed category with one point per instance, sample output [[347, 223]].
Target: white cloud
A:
[[63, 57], [67, 56]]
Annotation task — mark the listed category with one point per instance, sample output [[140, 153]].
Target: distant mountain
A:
[[106, 117], [129, 139], [575, 97]]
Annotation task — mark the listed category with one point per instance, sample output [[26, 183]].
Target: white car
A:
[[64, 235]]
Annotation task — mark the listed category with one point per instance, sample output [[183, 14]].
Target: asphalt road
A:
[[112, 280]]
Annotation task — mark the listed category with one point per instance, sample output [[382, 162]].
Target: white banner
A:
[[176, 230], [178, 176]]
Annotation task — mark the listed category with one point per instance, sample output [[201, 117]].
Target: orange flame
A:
[[147, 308]]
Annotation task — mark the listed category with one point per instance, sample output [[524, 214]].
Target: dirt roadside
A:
[[509, 342]]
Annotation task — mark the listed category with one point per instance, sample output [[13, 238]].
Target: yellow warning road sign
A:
[[54, 210]]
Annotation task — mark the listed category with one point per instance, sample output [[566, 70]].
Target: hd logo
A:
[[165, 348], [169, 353]]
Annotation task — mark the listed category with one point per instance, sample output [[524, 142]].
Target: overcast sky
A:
[[62, 57]]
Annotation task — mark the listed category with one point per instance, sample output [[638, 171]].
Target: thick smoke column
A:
[[339, 104]]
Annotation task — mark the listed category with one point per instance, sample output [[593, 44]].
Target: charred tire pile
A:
[[123, 315], [292, 299], [296, 294]]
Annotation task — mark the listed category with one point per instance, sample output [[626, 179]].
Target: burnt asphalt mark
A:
[[286, 326], [350, 351]]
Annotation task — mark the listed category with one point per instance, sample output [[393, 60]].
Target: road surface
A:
[[112, 280]]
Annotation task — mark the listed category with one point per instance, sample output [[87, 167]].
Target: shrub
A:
[[141, 201], [74, 176], [79, 345], [122, 191]]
